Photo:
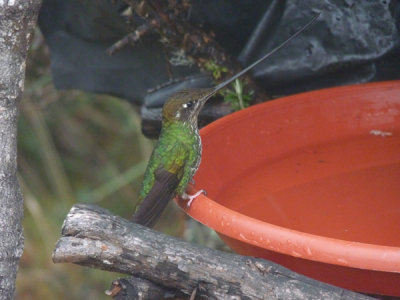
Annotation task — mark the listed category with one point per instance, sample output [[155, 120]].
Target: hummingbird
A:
[[177, 154]]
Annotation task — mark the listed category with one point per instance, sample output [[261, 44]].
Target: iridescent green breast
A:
[[178, 150]]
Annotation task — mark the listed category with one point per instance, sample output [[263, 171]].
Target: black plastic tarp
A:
[[352, 42]]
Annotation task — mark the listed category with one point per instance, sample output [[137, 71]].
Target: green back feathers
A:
[[171, 153]]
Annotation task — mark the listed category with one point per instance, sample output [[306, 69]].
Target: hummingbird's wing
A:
[[162, 177], [154, 203]]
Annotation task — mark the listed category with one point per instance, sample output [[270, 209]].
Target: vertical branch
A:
[[17, 22]]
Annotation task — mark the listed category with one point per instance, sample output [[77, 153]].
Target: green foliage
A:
[[237, 98], [75, 148], [215, 69]]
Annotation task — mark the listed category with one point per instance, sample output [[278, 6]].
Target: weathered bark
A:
[[142, 289], [94, 237], [17, 22]]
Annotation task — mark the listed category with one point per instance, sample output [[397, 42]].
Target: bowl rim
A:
[[297, 244]]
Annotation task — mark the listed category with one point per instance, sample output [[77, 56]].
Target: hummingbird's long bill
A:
[[276, 49]]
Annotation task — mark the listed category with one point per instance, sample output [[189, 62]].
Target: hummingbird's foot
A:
[[192, 197]]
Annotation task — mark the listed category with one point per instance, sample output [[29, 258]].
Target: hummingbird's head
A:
[[185, 105]]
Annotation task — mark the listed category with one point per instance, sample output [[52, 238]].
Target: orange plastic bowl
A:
[[312, 182]]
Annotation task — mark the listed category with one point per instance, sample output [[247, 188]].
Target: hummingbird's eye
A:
[[188, 104]]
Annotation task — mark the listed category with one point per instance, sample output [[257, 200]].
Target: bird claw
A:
[[192, 197]]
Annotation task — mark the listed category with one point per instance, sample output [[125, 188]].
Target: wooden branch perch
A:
[[92, 236]]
